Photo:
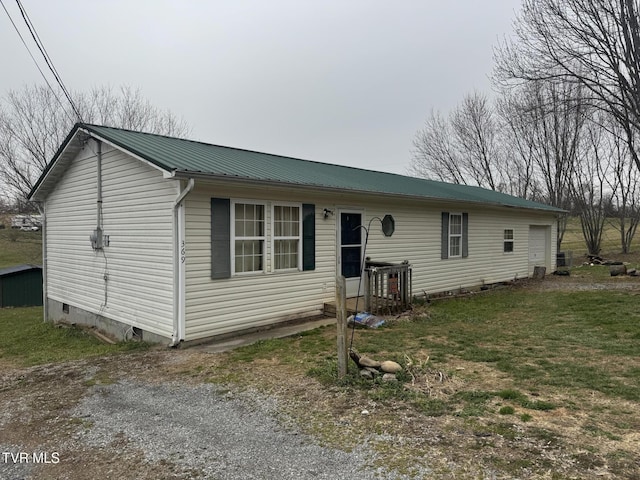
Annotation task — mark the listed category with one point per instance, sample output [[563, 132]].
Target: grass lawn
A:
[[531, 368], [534, 341], [26, 340], [574, 240], [18, 247]]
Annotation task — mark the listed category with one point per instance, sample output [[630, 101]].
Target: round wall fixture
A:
[[388, 225]]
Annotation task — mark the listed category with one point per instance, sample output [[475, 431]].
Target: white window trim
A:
[[274, 238], [234, 238], [451, 235], [512, 240]]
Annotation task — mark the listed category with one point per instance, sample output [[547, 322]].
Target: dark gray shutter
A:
[[308, 236], [444, 240], [220, 238], [465, 236]]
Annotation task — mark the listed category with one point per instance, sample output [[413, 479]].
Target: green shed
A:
[[21, 286]]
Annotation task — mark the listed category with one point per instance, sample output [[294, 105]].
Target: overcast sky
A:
[[344, 81]]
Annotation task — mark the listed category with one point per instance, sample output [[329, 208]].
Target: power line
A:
[[58, 80], [55, 95], [45, 55], [44, 52]]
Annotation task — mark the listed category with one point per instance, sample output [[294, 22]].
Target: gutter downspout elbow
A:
[[179, 272], [184, 193]]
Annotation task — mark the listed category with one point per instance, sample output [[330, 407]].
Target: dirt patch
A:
[[579, 283]]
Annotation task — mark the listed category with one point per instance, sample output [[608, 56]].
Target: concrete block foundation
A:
[[62, 312]]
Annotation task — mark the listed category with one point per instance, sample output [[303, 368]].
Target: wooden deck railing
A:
[[387, 287]]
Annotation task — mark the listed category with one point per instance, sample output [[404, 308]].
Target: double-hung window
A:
[[455, 235], [287, 232], [508, 241], [249, 237]]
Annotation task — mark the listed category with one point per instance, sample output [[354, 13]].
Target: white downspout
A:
[[99, 190], [179, 270]]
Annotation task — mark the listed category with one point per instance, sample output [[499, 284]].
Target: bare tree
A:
[[558, 121], [593, 43], [127, 108], [34, 122], [589, 187], [463, 148], [435, 155], [5, 206], [518, 142], [624, 184], [545, 121], [475, 129], [32, 125]]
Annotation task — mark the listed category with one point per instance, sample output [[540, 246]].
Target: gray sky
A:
[[338, 81]]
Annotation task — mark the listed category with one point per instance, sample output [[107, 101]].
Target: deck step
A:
[[330, 307]]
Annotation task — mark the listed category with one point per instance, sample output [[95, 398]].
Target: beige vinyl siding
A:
[[253, 300], [138, 217], [418, 235], [249, 300], [417, 240]]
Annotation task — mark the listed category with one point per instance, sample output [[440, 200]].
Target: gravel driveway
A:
[[133, 428], [211, 434]]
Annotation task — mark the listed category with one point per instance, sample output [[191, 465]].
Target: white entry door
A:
[[537, 247], [350, 245]]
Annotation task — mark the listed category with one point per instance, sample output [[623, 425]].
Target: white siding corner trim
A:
[[180, 260]]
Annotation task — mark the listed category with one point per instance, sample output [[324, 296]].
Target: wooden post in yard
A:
[[341, 316]]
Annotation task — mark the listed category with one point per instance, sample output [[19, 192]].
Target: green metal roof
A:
[[18, 269], [186, 157]]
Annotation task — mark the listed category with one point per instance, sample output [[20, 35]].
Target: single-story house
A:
[[21, 286], [178, 240]]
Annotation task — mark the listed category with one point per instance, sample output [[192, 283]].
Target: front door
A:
[[350, 239]]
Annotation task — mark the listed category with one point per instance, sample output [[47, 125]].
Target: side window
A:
[[248, 237], [508, 241], [287, 233], [455, 235], [454, 242]]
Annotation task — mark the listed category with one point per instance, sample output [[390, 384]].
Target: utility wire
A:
[[35, 61], [36, 37], [47, 58]]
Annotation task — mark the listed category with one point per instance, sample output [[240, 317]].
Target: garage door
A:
[[537, 247]]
